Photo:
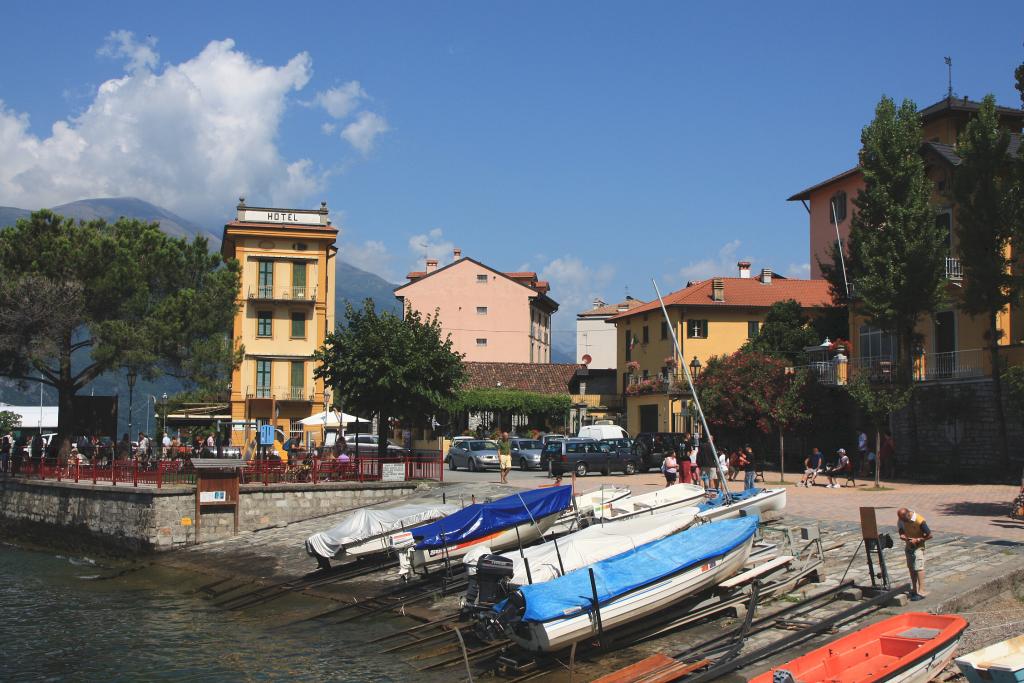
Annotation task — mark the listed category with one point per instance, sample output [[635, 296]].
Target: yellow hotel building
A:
[[285, 310]]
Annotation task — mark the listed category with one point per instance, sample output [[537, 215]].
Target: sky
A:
[[600, 144]]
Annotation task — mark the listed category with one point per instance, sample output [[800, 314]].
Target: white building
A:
[[594, 337], [32, 416]]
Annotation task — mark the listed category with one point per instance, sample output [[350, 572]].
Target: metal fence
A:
[[928, 367]]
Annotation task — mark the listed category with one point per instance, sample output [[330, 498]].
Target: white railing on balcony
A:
[[953, 365], [282, 393], [271, 293], [954, 271], [929, 367]]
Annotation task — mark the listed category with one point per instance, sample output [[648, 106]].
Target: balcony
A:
[[597, 401], [282, 393], [928, 367], [290, 294], [954, 271]]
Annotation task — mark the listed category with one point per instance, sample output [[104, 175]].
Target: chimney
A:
[[744, 267], [431, 265], [598, 303], [457, 253], [718, 289], [766, 276]]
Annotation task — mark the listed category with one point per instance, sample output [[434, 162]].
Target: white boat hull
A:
[[769, 500], [655, 502], [528, 532], [928, 668], [557, 634]]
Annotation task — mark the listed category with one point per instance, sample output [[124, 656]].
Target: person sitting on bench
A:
[[812, 465], [842, 467]]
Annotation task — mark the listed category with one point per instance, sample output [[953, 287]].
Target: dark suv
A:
[[585, 455], [650, 448]]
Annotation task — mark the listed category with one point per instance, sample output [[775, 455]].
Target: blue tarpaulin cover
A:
[[719, 500], [482, 519], [616, 576]]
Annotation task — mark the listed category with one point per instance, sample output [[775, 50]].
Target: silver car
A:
[[475, 455], [526, 453]]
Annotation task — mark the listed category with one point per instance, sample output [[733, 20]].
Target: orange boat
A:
[[908, 648]]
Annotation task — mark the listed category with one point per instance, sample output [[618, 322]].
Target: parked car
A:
[[548, 438], [366, 444], [650, 448], [526, 453], [473, 454], [602, 432], [585, 455], [623, 446]]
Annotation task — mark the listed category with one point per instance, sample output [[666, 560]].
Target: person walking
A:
[[914, 532], [6, 444], [707, 463], [670, 468], [748, 466], [166, 446], [504, 457], [862, 452]]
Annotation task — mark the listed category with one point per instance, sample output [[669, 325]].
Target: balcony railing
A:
[[952, 365], [282, 393], [271, 293], [954, 271], [928, 367]]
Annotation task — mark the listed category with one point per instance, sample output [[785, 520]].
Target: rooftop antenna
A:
[[949, 76]]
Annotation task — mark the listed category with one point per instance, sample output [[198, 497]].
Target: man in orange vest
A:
[[914, 532]]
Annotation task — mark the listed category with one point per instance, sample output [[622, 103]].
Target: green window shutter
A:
[[264, 324], [299, 279], [299, 325], [298, 374]]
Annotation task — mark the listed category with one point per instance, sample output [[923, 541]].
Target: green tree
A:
[[989, 210], [750, 393], [8, 422], [878, 401], [898, 264], [1013, 378], [1019, 76], [390, 366], [785, 333], [91, 297]]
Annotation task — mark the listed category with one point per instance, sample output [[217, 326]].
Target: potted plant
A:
[[633, 367]]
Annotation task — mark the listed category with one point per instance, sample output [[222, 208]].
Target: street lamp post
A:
[[695, 368], [132, 376], [164, 400]]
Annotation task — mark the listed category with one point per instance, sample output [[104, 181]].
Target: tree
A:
[[1013, 378], [90, 297], [390, 366], [749, 392], [785, 333], [878, 401], [989, 208], [8, 422]]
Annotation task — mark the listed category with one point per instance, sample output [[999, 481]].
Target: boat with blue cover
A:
[[518, 519], [552, 615]]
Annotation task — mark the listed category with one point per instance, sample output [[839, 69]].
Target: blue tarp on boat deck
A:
[[719, 500], [482, 519], [616, 576]]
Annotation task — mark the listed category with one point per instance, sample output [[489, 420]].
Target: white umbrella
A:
[[330, 419]]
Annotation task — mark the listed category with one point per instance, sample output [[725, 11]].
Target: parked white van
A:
[[599, 432]]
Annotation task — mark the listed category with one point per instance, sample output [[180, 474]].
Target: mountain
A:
[[355, 285]]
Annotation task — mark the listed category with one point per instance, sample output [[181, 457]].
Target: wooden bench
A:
[[756, 572]]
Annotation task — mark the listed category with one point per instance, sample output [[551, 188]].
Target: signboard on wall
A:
[[392, 471], [278, 216], [266, 435], [213, 496]]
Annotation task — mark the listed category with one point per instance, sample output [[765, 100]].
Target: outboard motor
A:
[[493, 572]]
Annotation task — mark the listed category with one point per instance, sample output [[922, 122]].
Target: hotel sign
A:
[[283, 217]]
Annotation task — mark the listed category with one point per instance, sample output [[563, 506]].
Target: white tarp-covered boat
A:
[[365, 531], [631, 586], [748, 502], [677, 495], [593, 544], [588, 503]]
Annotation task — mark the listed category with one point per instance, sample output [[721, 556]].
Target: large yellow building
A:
[[286, 309], [713, 317]]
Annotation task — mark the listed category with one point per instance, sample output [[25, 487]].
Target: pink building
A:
[[491, 316]]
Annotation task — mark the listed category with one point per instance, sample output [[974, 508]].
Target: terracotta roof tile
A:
[[543, 378], [611, 309], [743, 292]]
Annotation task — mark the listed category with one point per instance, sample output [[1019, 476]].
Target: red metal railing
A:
[[427, 465]]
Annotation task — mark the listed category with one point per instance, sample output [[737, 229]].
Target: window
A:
[[481, 341], [481, 279], [531, 352], [481, 310], [299, 280], [298, 379], [266, 279], [646, 334], [837, 208], [697, 329], [874, 343], [753, 328], [298, 325], [263, 379], [664, 330], [944, 221], [629, 345], [264, 324]]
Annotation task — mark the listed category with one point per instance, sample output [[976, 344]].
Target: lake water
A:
[[67, 618]]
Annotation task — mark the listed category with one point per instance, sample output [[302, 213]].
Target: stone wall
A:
[[137, 519], [957, 434]]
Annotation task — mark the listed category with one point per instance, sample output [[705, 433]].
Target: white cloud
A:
[[430, 245], [139, 56], [362, 132], [341, 101], [723, 264], [191, 137], [798, 270], [328, 128], [574, 285], [372, 256]]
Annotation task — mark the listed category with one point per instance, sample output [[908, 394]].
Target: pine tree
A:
[[989, 209]]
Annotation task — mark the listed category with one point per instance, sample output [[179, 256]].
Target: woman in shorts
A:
[[670, 468]]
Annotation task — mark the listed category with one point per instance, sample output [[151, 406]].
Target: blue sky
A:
[[600, 144]]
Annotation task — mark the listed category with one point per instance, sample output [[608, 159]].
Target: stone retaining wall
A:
[[137, 519]]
